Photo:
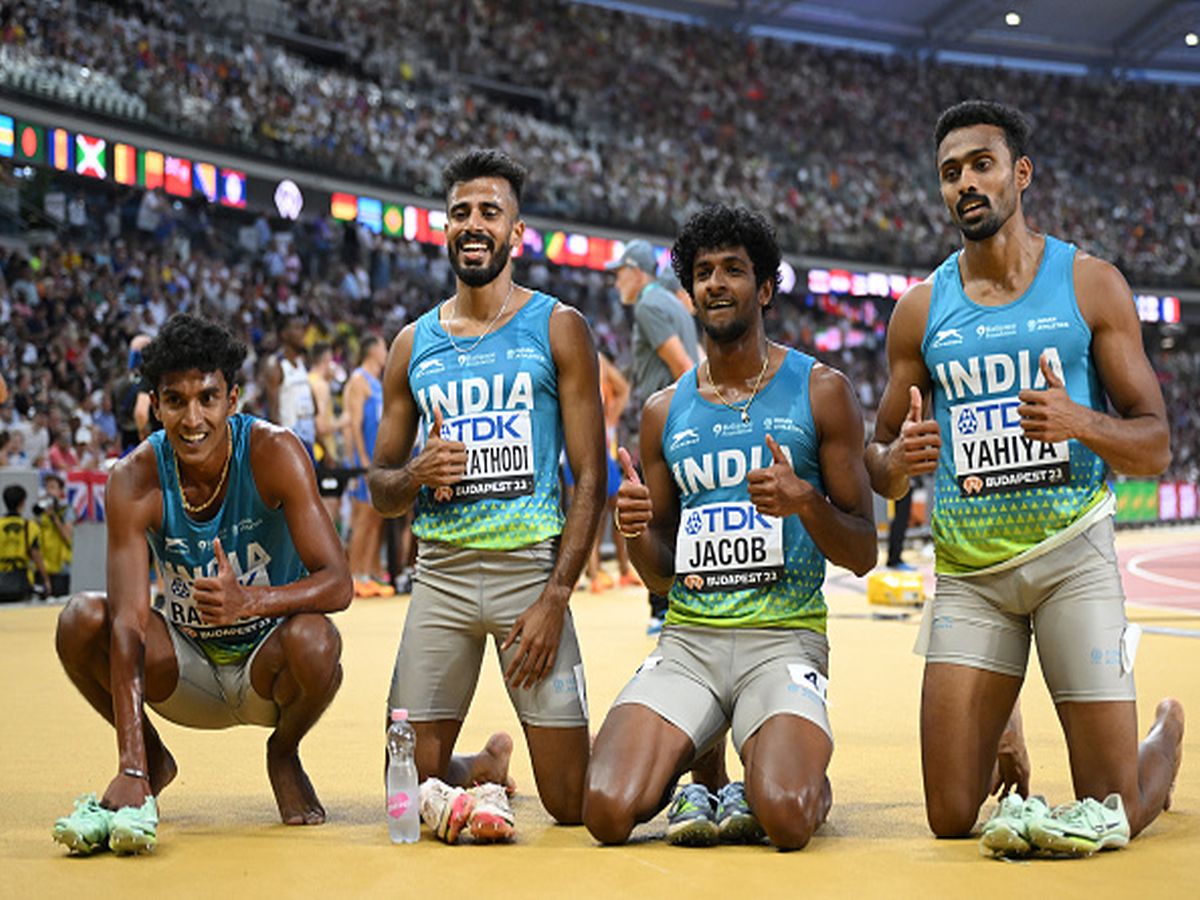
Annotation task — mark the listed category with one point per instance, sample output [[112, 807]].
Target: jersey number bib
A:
[[992, 454], [499, 454], [727, 547]]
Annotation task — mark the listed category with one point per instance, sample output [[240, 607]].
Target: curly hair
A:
[[1010, 120], [719, 226], [188, 342], [489, 163]]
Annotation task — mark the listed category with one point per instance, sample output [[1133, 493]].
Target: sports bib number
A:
[[728, 547], [992, 455], [499, 455]]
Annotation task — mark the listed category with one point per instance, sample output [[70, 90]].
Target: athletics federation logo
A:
[[947, 337]]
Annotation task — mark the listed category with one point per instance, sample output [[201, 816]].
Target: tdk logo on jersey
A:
[[947, 337], [491, 427], [430, 367], [994, 415], [725, 518], [684, 438]]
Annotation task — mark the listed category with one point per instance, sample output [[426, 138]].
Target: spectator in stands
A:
[[62, 456]]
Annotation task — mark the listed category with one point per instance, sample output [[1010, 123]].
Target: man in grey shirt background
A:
[[664, 342]]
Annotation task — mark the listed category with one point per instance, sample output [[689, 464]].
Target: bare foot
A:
[[294, 794], [1170, 711], [491, 763]]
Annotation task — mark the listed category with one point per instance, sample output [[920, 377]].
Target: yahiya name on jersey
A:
[[993, 455]]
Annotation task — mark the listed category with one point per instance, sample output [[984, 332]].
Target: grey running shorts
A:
[[1069, 598], [212, 696], [459, 598], [701, 679]]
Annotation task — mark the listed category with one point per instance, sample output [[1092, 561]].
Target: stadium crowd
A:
[[842, 170], [636, 123], [69, 310]]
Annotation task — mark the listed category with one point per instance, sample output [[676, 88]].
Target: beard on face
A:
[[478, 276], [981, 229], [726, 332]]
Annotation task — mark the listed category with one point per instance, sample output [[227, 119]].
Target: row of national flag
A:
[[94, 157]]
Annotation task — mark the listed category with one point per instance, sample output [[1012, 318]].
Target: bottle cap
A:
[[399, 715]]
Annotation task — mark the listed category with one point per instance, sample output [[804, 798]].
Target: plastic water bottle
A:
[[404, 820]]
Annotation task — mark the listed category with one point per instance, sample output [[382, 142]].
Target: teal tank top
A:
[[734, 567], [255, 538], [499, 396], [998, 493]]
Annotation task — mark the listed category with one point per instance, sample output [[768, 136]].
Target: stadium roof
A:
[[1120, 36]]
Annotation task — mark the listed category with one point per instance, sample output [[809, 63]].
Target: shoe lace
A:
[[87, 803], [1086, 812], [693, 796], [491, 793], [732, 795]]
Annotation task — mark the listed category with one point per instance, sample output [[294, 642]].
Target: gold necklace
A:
[[486, 331], [194, 509], [744, 409]]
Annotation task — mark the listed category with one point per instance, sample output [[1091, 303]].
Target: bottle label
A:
[[398, 804]]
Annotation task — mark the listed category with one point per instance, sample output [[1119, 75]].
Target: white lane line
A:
[[1173, 632], [1134, 566]]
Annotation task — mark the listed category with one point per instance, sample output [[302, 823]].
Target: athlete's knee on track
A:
[[564, 803], [790, 816], [951, 814], [608, 811]]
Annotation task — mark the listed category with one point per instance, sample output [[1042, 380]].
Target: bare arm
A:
[[39, 563], [904, 444], [1137, 440], [648, 514], [618, 389], [134, 507], [272, 382], [672, 353], [357, 392], [395, 478], [540, 627], [323, 403], [285, 479], [841, 521], [141, 414]]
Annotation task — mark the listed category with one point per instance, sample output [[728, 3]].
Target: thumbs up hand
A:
[[441, 462], [1049, 414], [920, 441], [633, 511], [220, 598], [777, 490]]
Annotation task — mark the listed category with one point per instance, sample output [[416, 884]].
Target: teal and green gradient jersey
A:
[[997, 492], [499, 396], [254, 536], [736, 568]]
